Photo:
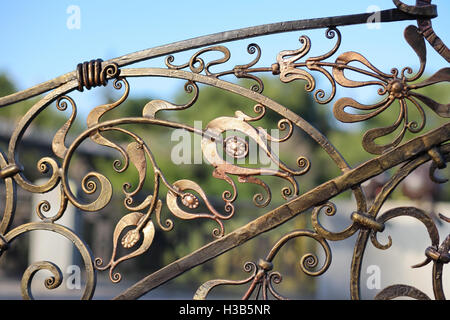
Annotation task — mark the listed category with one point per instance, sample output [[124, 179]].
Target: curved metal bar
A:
[[227, 36], [425, 25], [283, 111], [91, 277]]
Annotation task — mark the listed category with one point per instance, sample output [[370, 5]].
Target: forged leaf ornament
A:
[[396, 88], [236, 147], [140, 229], [191, 201]]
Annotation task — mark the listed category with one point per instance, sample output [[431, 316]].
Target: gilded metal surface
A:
[[187, 200]]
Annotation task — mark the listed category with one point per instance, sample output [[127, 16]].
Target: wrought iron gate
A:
[[135, 231]]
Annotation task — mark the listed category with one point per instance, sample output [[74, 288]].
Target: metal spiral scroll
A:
[[263, 278], [57, 278]]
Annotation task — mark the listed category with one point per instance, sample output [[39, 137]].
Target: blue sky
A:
[[37, 45]]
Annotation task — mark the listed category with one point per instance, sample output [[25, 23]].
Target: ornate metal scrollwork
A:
[[263, 277], [225, 140]]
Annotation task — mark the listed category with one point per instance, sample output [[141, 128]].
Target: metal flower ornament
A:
[[396, 86]]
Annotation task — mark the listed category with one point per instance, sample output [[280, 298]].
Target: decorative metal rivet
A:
[[236, 147], [189, 200], [130, 239]]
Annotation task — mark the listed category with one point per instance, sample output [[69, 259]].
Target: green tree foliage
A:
[[43, 127], [6, 86], [50, 118]]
